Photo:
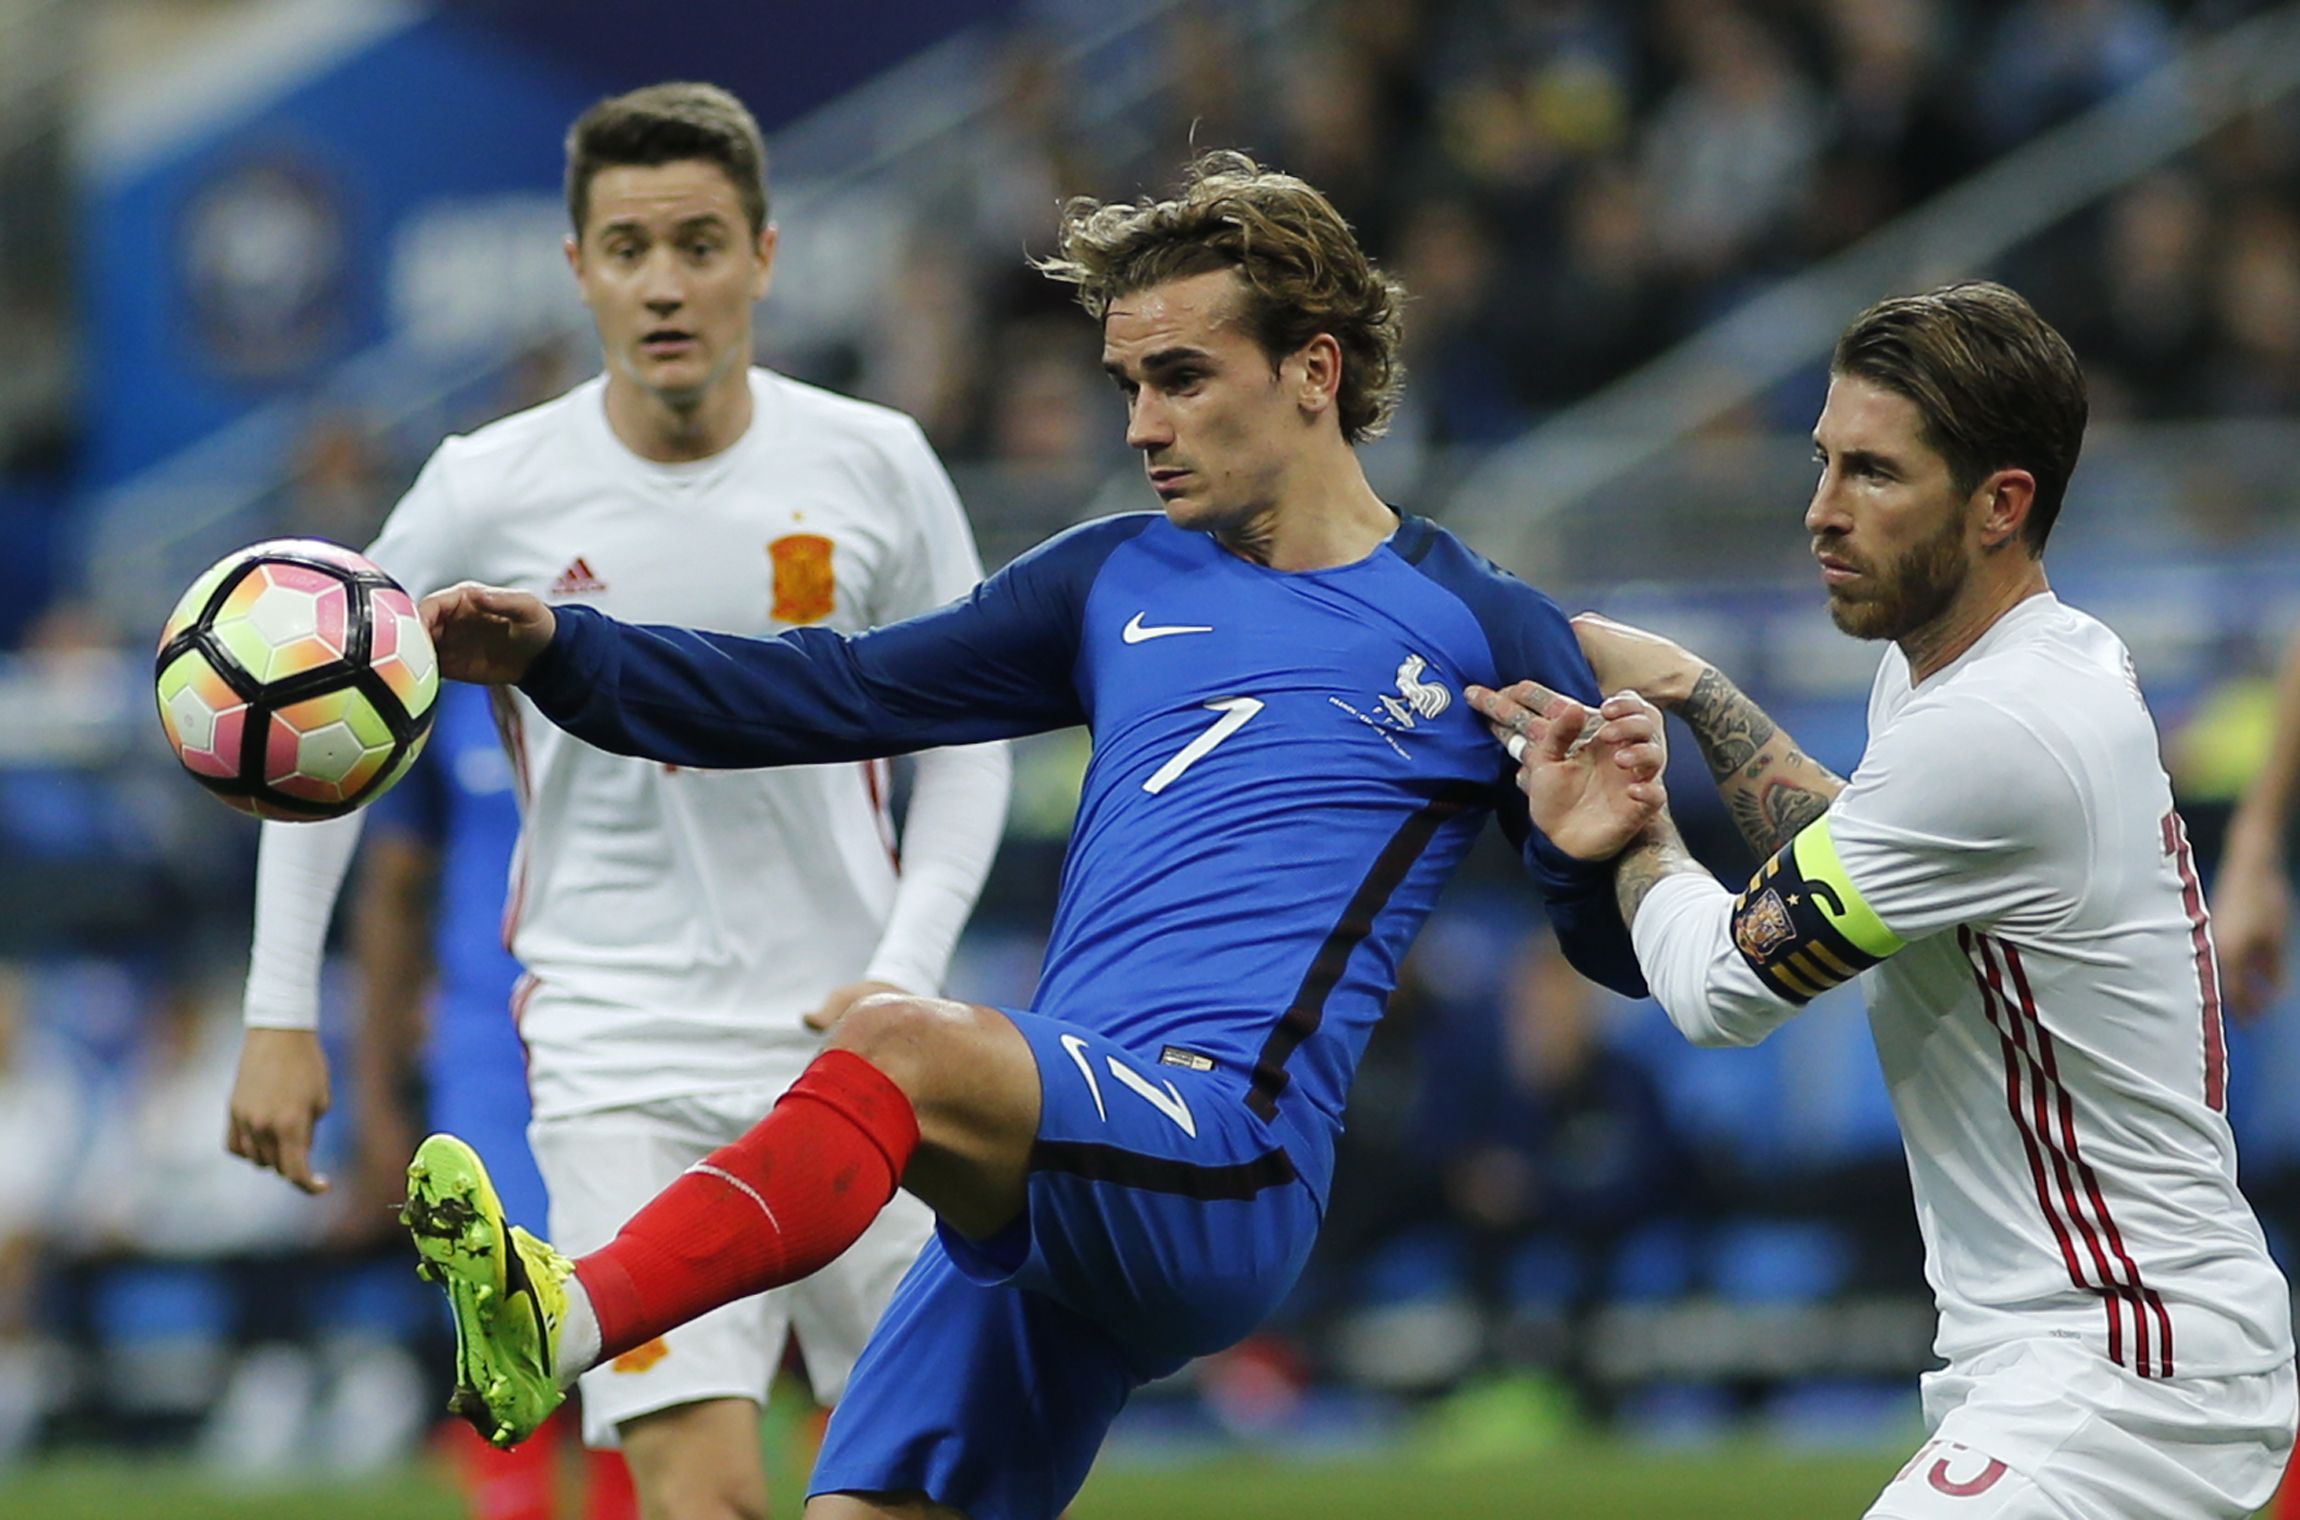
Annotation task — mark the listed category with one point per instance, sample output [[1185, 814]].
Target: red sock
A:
[[608, 1491], [519, 1484], [2287, 1505], [778, 1204]]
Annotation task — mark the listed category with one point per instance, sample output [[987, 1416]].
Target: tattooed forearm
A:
[[1660, 852], [1770, 810], [1772, 788], [1730, 728]]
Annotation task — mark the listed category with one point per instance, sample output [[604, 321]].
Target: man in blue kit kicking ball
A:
[[1285, 771]]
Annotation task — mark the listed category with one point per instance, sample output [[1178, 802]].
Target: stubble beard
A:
[[1914, 594]]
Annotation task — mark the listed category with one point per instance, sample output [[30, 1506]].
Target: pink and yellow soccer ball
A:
[[296, 681]]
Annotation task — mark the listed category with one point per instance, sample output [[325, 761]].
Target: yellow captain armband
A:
[[1802, 925]]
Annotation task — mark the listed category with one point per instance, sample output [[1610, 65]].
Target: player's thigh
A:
[[1948, 1480], [834, 1312], [600, 1168], [1159, 1205], [987, 1399], [701, 1459]]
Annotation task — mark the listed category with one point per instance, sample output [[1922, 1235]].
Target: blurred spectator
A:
[[1729, 157], [2257, 283], [2046, 60], [40, 1137], [343, 483], [1569, 1146]]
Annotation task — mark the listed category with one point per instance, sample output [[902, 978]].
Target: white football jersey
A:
[[2007, 864], [676, 924]]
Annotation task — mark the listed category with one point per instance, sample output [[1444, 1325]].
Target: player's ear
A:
[[1316, 372], [763, 251], [2004, 500], [573, 247]]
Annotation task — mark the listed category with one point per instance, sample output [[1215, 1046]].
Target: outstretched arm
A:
[[996, 663], [1771, 787], [2252, 895]]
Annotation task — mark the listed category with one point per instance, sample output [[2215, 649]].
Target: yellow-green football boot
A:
[[507, 1288]]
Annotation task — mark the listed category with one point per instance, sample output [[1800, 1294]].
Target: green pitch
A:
[[1599, 1482]]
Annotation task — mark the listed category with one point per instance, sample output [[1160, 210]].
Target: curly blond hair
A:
[[1303, 271]]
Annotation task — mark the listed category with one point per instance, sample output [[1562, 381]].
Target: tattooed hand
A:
[[1590, 786]]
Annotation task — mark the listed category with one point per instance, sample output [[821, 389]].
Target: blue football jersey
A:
[[1285, 770]]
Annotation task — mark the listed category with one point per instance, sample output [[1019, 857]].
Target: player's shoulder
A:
[[823, 415], [2046, 663], [1084, 547], [1523, 626], [1441, 555], [2049, 687], [540, 432]]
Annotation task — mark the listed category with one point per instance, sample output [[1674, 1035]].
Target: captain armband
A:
[[1802, 925]]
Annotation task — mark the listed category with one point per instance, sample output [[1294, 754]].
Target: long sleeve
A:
[[299, 874], [957, 816], [958, 799], [995, 664], [1684, 937]]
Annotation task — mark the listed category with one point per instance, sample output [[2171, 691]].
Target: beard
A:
[[1896, 600]]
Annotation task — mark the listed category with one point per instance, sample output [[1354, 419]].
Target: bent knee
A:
[[909, 1038]]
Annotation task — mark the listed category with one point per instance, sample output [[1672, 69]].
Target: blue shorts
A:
[[1164, 1221]]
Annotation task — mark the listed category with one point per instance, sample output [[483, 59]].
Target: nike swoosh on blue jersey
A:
[[1136, 632]]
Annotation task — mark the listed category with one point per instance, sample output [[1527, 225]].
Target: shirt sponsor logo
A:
[[806, 585]]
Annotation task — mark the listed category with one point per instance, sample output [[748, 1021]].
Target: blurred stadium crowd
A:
[[1544, 1192]]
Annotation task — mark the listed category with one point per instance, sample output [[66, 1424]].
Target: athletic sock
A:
[[780, 1203], [608, 1494], [578, 1347], [519, 1484]]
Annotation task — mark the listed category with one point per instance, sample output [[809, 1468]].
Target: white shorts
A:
[[2049, 1430], [601, 1167]]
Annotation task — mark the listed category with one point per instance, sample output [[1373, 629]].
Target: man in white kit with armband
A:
[[2006, 872], [686, 934]]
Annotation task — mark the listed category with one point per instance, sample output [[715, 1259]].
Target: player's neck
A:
[[1328, 518], [672, 432], [1987, 598]]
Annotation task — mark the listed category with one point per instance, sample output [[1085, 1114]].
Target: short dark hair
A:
[[1997, 386], [1303, 271], [664, 124]]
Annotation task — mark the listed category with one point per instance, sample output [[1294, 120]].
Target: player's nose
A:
[[1825, 513], [1147, 425]]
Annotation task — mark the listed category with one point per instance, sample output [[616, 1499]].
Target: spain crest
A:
[[806, 586], [1764, 928]]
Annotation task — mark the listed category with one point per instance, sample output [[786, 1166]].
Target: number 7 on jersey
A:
[[1235, 711]]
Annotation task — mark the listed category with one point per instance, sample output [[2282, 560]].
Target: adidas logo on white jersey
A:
[[577, 580]]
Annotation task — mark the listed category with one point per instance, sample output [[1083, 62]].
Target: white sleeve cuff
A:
[[957, 816], [299, 873], [1684, 938]]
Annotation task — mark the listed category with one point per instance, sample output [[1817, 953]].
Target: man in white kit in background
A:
[[685, 934], [2006, 871]]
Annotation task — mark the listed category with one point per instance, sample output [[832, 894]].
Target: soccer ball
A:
[[296, 680]]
